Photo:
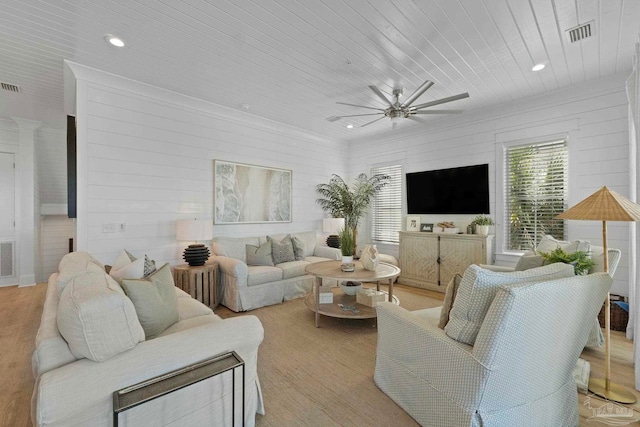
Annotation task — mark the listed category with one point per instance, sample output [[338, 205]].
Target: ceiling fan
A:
[[397, 111]]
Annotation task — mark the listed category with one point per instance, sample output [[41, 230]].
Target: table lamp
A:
[[332, 226], [193, 230], [606, 205]]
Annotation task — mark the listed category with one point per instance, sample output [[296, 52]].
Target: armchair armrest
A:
[[83, 389], [234, 270], [426, 351], [498, 268], [327, 252]]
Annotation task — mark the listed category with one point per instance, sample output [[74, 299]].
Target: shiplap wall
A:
[[594, 115], [149, 161], [56, 230], [51, 148]]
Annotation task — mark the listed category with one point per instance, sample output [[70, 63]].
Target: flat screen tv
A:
[[462, 190]]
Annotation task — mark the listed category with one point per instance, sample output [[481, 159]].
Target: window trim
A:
[[400, 163], [502, 144]]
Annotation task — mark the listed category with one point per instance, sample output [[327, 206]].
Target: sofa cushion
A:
[[477, 290], [449, 298], [77, 256], [189, 307], [309, 239], [190, 323], [78, 266], [282, 250], [293, 269], [312, 259], [155, 300], [549, 243], [233, 247], [96, 321], [259, 255], [526, 262], [259, 274], [132, 270]]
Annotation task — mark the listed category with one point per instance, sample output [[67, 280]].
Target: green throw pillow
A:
[[529, 261], [298, 248], [259, 255], [154, 298]]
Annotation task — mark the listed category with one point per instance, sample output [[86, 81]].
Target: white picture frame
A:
[[245, 193], [413, 223]]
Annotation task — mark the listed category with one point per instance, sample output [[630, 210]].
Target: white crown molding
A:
[[104, 78]]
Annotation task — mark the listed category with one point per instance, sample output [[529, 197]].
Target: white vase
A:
[[482, 230], [369, 257], [347, 259]]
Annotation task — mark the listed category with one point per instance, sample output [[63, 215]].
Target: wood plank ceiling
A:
[[291, 61]]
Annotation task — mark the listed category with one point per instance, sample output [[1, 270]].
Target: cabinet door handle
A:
[[438, 260]]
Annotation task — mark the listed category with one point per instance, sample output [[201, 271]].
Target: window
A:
[[386, 208], [535, 192]]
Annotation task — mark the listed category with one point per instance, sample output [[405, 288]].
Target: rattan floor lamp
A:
[[606, 205]]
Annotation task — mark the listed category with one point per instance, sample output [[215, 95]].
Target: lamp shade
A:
[[603, 205], [332, 225], [194, 229]]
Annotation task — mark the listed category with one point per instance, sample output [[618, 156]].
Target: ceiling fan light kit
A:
[[397, 111]]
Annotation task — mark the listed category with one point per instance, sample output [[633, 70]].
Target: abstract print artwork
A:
[[247, 193]]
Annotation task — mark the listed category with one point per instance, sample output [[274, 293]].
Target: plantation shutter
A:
[[386, 208], [536, 191]]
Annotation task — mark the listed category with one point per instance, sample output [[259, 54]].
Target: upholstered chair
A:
[[518, 370]]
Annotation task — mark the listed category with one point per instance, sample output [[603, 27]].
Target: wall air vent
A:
[[9, 87], [6, 259], [333, 119], [581, 32]]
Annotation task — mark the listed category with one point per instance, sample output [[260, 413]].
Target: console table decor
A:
[[200, 282], [145, 391]]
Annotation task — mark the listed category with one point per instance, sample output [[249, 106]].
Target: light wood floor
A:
[[309, 376]]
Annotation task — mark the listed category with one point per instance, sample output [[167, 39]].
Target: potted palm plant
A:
[[350, 202]]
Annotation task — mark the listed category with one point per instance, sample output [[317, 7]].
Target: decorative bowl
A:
[[350, 288]]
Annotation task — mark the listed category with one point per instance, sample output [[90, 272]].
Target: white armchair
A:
[[518, 372]]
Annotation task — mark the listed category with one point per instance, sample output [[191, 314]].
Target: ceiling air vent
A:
[[10, 87], [580, 32], [333, 119]]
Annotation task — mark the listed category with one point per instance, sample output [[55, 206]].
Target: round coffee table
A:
[[331, 270]]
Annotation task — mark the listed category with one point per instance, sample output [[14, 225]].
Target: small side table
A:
[[161, 385], [200, 282]]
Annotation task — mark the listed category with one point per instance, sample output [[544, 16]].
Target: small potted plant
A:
[[580, 260], [482, 223], [347, 245]]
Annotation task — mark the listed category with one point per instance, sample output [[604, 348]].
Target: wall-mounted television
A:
[[461, 190]]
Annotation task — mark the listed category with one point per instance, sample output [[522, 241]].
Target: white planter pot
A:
[[350, 290], [482, 230], [347, 259]]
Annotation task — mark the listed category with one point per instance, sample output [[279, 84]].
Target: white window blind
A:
[[536, 191], [386, 208]]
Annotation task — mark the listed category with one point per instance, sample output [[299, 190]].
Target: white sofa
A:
[[71, 391], [246, 287]]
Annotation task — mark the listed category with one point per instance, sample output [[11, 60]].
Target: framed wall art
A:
[[426, 227], [413, 223], [250, 194]]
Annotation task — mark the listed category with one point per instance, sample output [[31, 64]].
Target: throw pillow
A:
[[73, 268], [149, 266], [96, 321], [259, 255], [298, 248], [282, 251], [478, 289], [449, 298], [549, 243], [529, 261], [132, 270], [154, 298]]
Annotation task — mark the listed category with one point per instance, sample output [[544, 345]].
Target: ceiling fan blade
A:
[[358, 115], [360, 106], [437, 112], [381, 95], [441, 101], [367, 124], [415, 95]]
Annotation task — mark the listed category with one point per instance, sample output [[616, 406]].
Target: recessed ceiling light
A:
[[349, 126], [538, 67], [115, 41]]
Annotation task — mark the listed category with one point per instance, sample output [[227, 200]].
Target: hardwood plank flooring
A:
[[310, 376]]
